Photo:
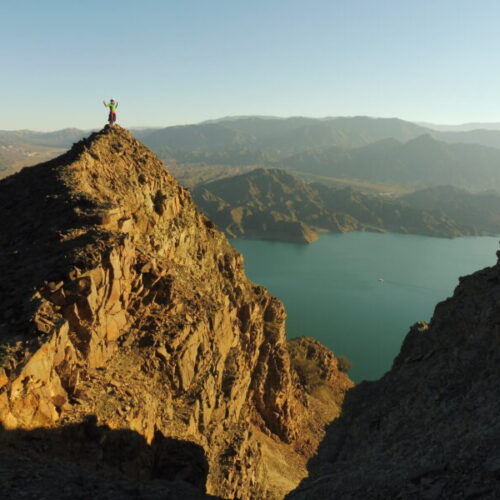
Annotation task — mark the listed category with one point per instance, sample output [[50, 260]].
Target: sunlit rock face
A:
[[121, 301]]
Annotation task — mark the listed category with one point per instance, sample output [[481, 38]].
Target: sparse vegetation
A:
[[344, 364], [308, 373]]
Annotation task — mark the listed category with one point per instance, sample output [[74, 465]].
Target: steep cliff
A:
[[122, 303], [429, 428]]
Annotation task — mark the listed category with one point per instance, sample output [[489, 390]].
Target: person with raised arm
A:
[[112, 110]]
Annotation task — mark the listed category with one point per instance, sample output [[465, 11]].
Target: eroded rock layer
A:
[[120, 300]]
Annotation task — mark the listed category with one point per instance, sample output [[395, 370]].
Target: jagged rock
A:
[[120, 300]]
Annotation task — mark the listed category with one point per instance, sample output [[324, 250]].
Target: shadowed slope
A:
[[87, 460], [429, 428]]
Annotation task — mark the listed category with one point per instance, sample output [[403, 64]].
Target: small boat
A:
[[381, 280]]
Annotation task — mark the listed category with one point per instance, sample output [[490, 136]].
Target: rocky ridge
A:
[[122, 303]]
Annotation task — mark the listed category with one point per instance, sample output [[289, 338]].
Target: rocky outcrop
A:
[[121, 301], [429, 428]]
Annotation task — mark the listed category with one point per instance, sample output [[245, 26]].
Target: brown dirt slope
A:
[[120, 302]]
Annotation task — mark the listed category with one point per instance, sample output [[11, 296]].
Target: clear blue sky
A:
[[173, 62]]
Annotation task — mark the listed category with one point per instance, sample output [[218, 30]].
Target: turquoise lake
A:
[[331, 288]]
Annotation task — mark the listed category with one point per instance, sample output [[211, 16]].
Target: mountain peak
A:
[[120, 300], [94, 194]]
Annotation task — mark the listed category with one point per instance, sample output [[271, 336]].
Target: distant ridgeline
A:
[[350, 149], [272, 204], [418, 163], [390, 151]]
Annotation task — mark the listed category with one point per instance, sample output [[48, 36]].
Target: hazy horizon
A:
[[459, 126]]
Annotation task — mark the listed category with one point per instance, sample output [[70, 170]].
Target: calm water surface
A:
[[332, 292]]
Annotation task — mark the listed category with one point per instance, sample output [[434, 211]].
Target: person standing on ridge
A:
[[112, 110]]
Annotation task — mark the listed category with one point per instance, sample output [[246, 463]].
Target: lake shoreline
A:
[[331, 290]]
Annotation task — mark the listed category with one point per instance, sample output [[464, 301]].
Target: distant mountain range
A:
[[267, 132], [59, 139], [272, 204], [420, 162], [281, 136], [382, 150], [377, 150], [489, 138], [463, 127], [284, 136]]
